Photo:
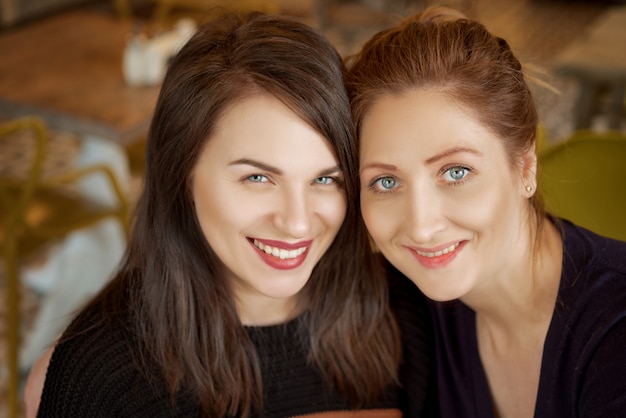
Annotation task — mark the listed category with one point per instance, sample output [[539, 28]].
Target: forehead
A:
[[262, 126], [422, 122]]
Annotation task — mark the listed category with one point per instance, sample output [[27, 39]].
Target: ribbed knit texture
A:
[[291, 387], [94, 375]]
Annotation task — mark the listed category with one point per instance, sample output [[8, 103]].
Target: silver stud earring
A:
[[529, 189]]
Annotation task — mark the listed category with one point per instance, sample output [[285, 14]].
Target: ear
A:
[[529, 171]]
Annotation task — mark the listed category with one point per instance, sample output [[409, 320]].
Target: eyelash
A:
[[333, 180], [372, 186], [251, 180], [468, 172], [379, 190]]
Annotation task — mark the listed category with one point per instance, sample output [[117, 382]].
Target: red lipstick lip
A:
[[278, 263], [438, 261], [281, 244]]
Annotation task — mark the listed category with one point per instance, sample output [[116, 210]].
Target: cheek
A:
[[333, 210], [377, 219], [478, 208], [482, 208], [218, 216]]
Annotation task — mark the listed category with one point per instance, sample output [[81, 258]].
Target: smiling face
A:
[[268, 196], [439, 196]]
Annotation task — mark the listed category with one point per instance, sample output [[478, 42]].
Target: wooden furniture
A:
[[209, 7], [598, 61], [67, 69], [34, 211], [15, 11]]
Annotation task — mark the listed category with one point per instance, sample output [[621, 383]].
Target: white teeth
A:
[[438, 253], [279, 252]]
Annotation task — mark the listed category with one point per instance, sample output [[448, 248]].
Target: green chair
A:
[[583, 179], [543, 142]]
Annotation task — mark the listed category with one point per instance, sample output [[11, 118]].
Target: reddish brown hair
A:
[[440, 49]]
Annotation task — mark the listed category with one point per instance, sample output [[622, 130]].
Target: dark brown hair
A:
[[442, 50], [172, 283]]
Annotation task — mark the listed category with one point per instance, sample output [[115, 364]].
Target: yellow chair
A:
[[582, 179], [34, 211]]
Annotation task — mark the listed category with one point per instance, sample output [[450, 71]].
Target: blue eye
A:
[[384, 184], [456, 173], [388, 183], [257, 178], [325, 180]]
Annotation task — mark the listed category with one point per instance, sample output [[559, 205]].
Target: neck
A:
[[520, 300], [261, 311]]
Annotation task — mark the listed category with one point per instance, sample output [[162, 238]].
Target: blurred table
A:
[[67, 68], [598, 61]]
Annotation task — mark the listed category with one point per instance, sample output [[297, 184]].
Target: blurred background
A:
[[79, 80]]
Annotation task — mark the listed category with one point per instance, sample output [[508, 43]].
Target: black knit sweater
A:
[[93, 375]]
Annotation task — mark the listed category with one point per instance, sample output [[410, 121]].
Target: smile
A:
[[440, 258], [281, 253], [438, 253]]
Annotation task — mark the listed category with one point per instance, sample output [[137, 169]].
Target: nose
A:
[[425, 216], [293, 214]]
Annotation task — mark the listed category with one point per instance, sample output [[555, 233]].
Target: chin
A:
[[435, 288], [283, 291], [440, 296]]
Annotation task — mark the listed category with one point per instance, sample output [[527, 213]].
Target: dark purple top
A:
[[583, 370]]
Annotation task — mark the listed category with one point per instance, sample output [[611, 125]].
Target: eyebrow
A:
[[277, 171], [433, 159], [452, 151], [257, 164], [386, 167]]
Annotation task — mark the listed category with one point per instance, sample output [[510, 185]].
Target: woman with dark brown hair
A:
[[529, 310], [248, 288]]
